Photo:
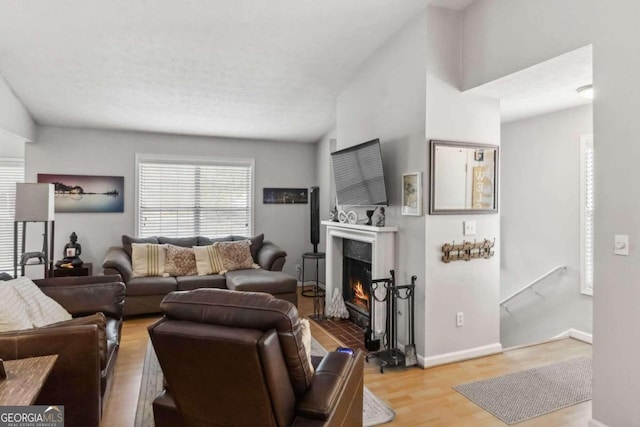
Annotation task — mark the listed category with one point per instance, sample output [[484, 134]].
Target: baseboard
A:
[[458, 356], [595, 423], [576, 335]]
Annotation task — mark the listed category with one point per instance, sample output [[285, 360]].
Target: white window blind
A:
[[187, 198], [587, 213], [11, 172]]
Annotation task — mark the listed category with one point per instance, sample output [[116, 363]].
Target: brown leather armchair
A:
[[80, 377], [236, 359]]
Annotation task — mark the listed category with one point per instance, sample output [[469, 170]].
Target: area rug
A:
[[523, 395], [375, 412]]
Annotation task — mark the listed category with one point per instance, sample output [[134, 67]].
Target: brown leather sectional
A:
[[81, 375], [144, 294]]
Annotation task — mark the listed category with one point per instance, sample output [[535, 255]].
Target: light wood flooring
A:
[[419, 397]]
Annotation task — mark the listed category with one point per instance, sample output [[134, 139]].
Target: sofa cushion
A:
[[206, 241], [181, 261], [13, 311], [97, 319], [128, 240], [187, 283], [184, 242], [41, 309], [151, 286], [235, 255], [259, 280], [148, 259], [256, 244], [207, 260]]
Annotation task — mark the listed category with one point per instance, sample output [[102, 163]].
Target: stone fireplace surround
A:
[[382, 240]]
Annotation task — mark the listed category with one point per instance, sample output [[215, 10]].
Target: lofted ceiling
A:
[[246, 68]]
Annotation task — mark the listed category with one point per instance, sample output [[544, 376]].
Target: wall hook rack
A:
[[467, 250]]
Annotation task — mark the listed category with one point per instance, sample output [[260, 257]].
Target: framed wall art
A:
[[285, 195], [86, 193], [412, 193]]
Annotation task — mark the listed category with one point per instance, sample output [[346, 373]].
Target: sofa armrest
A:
[[75, 378], [117, 260], [83, 296], [271, 256], [335, 395]]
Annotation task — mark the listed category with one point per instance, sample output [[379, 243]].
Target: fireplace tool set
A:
[[391, 355]]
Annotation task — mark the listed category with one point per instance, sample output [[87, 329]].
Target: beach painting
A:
[[86, 193]]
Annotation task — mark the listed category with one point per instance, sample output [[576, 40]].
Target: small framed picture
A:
[[412, 193], [70, 252]]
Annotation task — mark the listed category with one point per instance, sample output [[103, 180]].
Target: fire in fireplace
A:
[[356, 281]]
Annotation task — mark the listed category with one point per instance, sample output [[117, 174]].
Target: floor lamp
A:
[[34, 203]]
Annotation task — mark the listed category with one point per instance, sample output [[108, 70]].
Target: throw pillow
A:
[[306, 339], [181, 261], [97, 319], [40, 309], [235, 255], [207, 260], [13, 311], [256, 243], [148, 259]]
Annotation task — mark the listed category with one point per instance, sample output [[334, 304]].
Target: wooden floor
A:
[[419, 397]]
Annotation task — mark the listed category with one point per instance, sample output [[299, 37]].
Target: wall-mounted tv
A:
[[358, 175]]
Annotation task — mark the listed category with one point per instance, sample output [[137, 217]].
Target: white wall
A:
[[469, 287], [617, 182], [386, 100], [324, 179], [94, 152], [541, 225], [15, 120], [504, 36]]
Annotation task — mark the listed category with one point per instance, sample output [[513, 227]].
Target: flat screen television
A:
[[358, 175]]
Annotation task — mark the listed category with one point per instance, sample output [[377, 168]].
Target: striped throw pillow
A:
[[148, 259], [207, 260]]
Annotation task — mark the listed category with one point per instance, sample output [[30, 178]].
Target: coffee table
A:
[[25, 378]]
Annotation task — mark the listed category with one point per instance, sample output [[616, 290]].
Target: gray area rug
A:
[[375, 412], [523, 395]]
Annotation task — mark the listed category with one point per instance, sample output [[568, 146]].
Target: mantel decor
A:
[[464, 178]]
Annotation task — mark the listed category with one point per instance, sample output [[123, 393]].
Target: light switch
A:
[[469, 228], [621, 244]]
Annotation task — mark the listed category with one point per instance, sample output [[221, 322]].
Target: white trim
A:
[[576, 335], [586, 141], [595, 423], [459, 356]]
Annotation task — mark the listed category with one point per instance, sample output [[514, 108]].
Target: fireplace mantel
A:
[[382, 240]]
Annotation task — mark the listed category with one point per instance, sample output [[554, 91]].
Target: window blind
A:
[[181, 199], [587, 214], [11, 172]]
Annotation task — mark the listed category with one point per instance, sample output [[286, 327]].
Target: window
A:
[[11, 172], [182, 197], [586, 214]]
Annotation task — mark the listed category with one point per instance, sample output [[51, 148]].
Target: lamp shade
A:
[[34, 202]]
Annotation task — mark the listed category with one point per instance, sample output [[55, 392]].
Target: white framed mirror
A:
[[464, 178]]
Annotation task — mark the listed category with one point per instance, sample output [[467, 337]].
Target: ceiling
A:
[[246, 68], [543, 88]]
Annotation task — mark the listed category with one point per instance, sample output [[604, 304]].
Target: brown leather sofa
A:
[[237, 359], [81, 375], [144, 294]]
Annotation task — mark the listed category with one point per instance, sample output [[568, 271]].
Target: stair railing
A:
[[562, 268]]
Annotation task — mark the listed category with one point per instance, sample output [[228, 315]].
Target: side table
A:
[[85, 270], [316, 291], [25, 378]]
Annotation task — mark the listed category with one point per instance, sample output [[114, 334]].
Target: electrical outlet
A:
[[469, 228], [459, 319], [298, 268]]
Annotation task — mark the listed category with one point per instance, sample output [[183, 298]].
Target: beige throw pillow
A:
[[13, 311], [235, 255], [207, 260], [306, 339], [181, 261], [148, 259], [41, 309]]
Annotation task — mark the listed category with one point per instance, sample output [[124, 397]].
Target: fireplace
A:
[[356, 281]]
